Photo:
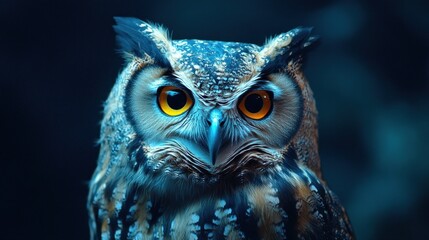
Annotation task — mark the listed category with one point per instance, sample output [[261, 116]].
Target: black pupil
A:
[[176, 99], [254, 103]]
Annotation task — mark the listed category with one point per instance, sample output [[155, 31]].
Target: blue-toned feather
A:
[[301, 40], [133, 39]]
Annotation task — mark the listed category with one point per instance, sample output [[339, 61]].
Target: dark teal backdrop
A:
[[370, 76]]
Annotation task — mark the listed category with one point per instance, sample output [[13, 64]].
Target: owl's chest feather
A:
[[284, 208]]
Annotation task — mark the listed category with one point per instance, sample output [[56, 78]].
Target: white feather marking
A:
[[274, 46]]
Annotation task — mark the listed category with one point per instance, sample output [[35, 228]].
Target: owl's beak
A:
[[214, 139]]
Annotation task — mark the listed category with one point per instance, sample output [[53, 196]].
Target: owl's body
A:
[[211, 140]]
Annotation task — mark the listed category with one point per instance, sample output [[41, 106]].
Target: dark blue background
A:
[[370, 76]]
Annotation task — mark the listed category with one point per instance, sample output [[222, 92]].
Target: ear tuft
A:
[[301, 39], [279, 50], [137, 38]]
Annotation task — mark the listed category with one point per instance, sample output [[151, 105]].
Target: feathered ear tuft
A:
[[137, 38], [285, 47]]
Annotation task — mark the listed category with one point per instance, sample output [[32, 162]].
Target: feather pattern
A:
[[139, 39]]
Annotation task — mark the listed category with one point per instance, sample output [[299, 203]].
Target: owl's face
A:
[[206, 109]]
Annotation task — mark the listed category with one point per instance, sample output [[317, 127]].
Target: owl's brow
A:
[[260, 82], [170, 78]]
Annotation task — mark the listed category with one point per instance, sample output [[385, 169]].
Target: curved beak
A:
[[214, 139]]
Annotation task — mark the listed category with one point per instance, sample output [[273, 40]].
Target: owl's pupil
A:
[[176, 99], [254, 103]]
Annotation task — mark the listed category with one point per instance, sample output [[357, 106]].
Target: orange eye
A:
[[173, 101], [256, 104]]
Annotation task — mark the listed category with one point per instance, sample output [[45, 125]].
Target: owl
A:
[[211, 140]]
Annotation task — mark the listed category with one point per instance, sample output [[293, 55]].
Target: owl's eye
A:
[[256, 104], [173, 101]]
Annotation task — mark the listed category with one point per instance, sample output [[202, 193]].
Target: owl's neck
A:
[[276, 206], [129, 209]]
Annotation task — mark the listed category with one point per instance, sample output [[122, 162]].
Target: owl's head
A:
[[206, 110]]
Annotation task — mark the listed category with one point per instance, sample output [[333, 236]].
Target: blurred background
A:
[[370, 77]]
